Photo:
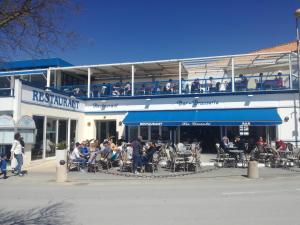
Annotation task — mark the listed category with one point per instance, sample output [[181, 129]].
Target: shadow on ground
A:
[[53, 214]]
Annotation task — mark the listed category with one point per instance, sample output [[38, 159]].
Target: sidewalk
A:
[[45, 173]]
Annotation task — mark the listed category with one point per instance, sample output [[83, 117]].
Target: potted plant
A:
[[61, 151]]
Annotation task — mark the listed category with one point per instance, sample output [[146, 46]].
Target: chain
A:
[[154, 176]]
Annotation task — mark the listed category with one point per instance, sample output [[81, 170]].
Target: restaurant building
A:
[[178, 100]]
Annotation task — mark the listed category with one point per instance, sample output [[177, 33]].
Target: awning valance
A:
[[210, 117]]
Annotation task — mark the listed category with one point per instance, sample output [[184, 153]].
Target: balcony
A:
[[242, 84]]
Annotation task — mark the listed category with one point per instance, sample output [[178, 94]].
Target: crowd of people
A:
[[141, 153], [261, 146]]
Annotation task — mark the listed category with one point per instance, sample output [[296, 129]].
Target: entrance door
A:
[[208, 136], [106, 129]]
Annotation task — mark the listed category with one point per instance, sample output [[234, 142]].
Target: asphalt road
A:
[[37, 199]]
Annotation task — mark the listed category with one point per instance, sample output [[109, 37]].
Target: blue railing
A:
[[171, 87]]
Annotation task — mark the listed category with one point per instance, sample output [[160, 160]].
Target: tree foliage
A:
[[34, 27]]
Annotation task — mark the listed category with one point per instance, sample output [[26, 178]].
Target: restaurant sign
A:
[[51, 99]]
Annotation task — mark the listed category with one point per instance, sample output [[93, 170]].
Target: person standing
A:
[[3, 165], [136, 154], [17, 152]]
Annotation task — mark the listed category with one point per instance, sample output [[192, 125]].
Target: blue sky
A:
[[121, 31]]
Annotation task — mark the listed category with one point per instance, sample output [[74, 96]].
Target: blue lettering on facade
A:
[[197, 102], [54, 100], [104, 106]]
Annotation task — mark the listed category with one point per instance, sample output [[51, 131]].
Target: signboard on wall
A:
[[50, 99], [188, 103]]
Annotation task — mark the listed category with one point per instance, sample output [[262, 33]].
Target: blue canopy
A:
[[210, 117], [33, 64]]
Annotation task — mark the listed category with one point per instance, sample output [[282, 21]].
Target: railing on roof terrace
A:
[[194, 86]]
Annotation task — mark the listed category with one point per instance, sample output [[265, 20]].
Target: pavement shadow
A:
[[52, 214]]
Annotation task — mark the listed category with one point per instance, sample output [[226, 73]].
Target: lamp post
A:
[[297, 16]]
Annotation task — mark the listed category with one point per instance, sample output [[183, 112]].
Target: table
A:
[[238, 155]]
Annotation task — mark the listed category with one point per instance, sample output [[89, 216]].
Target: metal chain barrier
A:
[[172, 175]]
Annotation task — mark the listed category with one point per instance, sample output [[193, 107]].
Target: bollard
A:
[[253, 170], [61, 166]]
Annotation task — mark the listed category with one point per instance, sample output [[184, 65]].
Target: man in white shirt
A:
[[76, 155]]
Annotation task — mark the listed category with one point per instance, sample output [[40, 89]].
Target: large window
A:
[[50, 137], [106, 129], [133, 132], [154, 132], [165, 133], [37, 148], [62, 130], [73, 133], [144, 132], [5, 86]]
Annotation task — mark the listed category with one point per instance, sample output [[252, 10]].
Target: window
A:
[[154, 132], [144, 132], [73, 133], [37, 148], [50, 137], [165, 133], [133, 132]]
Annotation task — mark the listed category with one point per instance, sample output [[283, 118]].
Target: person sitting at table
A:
[[142, 89], [169, 87], [195, 87], [116, 89], [127, 89], [84, 150], [103, 90], [184, 86], [225, 145], [76, 155], [281, 147], [95, 150], [279, 80], [223, 86], [243, 82], [240, 145], [210, 84], [261, 142]]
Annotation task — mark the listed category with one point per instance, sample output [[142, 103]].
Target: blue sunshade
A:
[[219, 117]]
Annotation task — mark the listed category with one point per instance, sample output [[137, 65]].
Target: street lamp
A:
[[297, 16]]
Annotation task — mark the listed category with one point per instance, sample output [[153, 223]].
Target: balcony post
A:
[[132, 79], [48, 78], [290, 75], [179, 73], [89, 83], [232, 76]]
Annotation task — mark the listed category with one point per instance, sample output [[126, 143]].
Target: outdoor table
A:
[[236, 152]]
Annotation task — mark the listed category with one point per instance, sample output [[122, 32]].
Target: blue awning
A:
[[216, 117], [23, 73]]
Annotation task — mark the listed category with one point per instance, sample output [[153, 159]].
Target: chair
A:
[[126, 159], [71, 164], [153, 163], [176, 162], [94, 165], [196, 156], [251, 85], [223, 158]]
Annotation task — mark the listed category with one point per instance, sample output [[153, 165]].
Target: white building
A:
[[178, 100]]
